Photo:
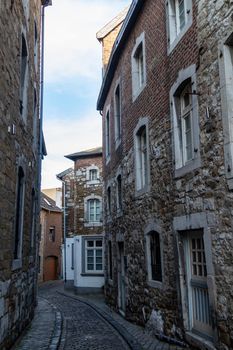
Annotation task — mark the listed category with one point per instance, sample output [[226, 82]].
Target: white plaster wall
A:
[[69, 270], [79, 280]]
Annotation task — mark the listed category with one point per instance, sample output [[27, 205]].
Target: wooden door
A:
[[50, 268]]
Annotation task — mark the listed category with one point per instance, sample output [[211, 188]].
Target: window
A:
[[94, 210], [119, 193], [109, 201], [52, 234], [184, 109], [93, 174], [23, 76], [110, 269], [179, 18], [19, 214], [107, 136], [33, 217], [155, 257], [226, 87], [138, 66], [94, 255], [35, 46], [142, 156], [117, 105]]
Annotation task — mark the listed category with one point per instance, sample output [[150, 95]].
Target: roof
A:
[[118, 46], [85, 154], [48, 203], [112, 24], [64, 173]]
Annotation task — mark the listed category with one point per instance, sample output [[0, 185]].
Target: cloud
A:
[[72, 54], [71, 47], [64, 137]]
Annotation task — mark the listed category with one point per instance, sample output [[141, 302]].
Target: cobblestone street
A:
[[65, 321]]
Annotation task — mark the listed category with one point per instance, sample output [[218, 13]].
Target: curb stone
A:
[[130, 340]]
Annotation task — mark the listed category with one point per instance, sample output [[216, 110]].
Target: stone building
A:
[[20, 156], [82, 202], [166, 100], [51, 240]]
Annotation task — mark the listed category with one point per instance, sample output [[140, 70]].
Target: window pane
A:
[[90, 266], [99, 260], [181, 14], [90, 260], [90, 244], [99, 267], [98, 252], [156, 268], [99, 243]]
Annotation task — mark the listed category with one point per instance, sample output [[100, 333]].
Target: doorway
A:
[[50, 268], [121, 278]]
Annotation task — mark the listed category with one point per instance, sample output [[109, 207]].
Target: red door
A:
[[50, 268]]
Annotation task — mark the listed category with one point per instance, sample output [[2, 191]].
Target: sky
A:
[[72, 80]]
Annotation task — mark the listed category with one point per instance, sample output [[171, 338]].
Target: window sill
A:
[[142, 191], [198, 341], [93, 182], [179, 36], [117, 143], [17, 264], [155, 284], [89, 274], [93, 224], [192, 165], [137, 91]]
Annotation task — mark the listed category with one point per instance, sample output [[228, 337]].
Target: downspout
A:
[[40, 150], [64, 228]]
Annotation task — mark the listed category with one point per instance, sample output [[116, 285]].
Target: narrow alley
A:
[[66, 321]]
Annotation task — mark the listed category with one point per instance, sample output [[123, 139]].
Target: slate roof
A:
[[48, 203], [63, 173], [85, 154], [112, 24]]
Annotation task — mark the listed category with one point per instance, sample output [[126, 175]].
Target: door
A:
[[198, 296], [50, 268], [121, 278]]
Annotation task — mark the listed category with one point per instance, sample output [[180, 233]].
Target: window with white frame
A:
[[94, 210], [142, 156], [23, 76], [94, 255], [138, 62], [179, 18], [155, 272], [117, 114], [184, 110], [93, 174], [19, 214], [226, 88], [107, 135]]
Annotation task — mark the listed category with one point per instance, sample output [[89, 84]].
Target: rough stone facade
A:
[[19, 136], [77, 188], [51, 240], [179, 203]]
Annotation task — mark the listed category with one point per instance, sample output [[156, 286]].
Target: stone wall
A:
[[18, 148], [198, 199]]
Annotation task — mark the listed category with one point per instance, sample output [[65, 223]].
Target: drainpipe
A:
[[64, 228]]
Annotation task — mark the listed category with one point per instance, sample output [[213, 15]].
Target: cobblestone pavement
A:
[[40, 332], [64, 321]]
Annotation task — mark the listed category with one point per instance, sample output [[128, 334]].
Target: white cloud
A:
[[73, 52], [64, 137], [70, 36]]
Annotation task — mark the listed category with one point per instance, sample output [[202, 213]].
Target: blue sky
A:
[[72, 79]]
